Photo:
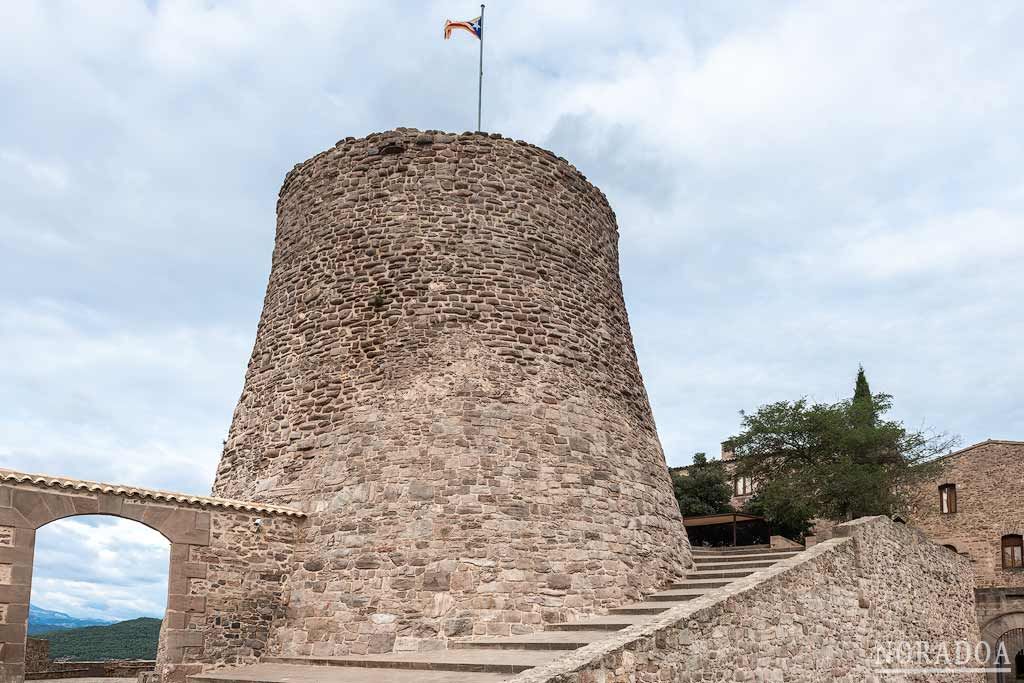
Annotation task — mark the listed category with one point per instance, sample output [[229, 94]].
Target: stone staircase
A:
[[488, 660]]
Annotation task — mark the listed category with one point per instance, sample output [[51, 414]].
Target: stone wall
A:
[[245, 587], [227, 579], [989, 477], [37, 654], [444, 379], [818, 616], [79, 671]]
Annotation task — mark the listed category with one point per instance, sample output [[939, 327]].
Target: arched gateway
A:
[[1006, 634], [229, 565]]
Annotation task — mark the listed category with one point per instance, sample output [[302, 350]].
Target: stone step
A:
[[760, 557], [719, 574], [744, 550], [544, 640], [489, 660], [493, 660], [679, 594], [481, 661], [609, 622], [729, 548], [645, 608], [291, 673], [710, 584], [730, 566]]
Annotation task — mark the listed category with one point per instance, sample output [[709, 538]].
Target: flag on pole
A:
[[474, 26]]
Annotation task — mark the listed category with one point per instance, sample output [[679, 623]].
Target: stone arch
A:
[[994, 629], [178, 523], [28, 502], [158, 573], [148, 524], [955, 543], [999, 625]]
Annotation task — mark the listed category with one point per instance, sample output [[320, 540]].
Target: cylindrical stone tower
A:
[[444, 378]]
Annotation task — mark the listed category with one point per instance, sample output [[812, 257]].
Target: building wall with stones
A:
[[444, 379], [239, 590], [989, 478], [818, 616]]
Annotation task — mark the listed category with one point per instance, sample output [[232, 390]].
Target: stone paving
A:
[[287, 673]]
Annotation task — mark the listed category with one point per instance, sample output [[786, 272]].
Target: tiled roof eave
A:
[[46, 481]]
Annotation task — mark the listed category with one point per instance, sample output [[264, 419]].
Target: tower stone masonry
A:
[[444, 380]]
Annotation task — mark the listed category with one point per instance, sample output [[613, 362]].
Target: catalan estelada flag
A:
[[474, 26]]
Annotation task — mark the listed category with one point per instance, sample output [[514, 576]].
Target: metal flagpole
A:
[[480, 88]]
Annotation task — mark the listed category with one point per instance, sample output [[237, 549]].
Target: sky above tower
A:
[[800, 188]]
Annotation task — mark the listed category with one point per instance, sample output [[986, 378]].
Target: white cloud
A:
[[88, 396], [980, 238], [822, 77], [47, 176], [101, 567]]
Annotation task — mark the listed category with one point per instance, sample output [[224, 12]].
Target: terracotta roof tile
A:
[[13, 477]]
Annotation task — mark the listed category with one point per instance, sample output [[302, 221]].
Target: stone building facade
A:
[[983, 506], [973, 507], [444, 379]]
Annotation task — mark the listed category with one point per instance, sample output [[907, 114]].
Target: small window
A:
[[1013, 551], [742, 486], [947, 499], [951, 547]]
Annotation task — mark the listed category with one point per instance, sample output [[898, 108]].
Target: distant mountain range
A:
[[41, 620]]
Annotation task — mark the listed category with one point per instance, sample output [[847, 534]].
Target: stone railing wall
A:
[[818, 616], [98, 669], [37, 654]]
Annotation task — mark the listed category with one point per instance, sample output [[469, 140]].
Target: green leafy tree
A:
[[704, 489], [134, 639], [787, 515], [832, 461]]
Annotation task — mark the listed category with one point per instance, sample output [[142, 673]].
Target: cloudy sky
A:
[[800, 187], [101, 568]]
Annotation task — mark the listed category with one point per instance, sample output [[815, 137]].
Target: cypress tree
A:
[[862, 390], [863, 405]]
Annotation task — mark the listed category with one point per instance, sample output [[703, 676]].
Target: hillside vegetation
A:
[[134, 639]]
